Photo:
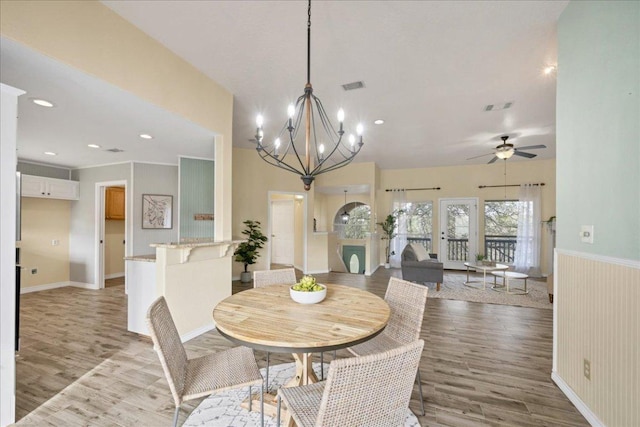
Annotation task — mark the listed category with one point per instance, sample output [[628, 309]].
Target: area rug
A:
[[223, 409], [453, 288]]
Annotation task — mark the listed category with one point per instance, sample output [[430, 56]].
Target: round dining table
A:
[[268, 319]]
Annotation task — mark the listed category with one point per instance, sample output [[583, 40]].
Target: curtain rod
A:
[[541, 184], [411, 189]]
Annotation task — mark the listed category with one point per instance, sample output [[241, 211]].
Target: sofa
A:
[[420, 266]]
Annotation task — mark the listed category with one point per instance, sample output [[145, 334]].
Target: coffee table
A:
[[484, 269], [506, 275]]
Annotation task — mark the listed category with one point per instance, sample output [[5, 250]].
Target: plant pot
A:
[[245, 276], [387, 265]]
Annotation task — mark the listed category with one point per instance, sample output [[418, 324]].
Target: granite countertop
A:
[[145, 258], [194, 244]]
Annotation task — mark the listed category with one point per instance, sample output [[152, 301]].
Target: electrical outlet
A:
[[587, 369], [55, 242], [34, 271]]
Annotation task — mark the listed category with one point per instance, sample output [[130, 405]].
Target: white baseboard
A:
[[84, 285], [577, 402], [47, 286], [197, 332], [114, 275]]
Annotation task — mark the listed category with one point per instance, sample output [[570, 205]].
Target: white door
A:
[[458, 232], [282, 232]]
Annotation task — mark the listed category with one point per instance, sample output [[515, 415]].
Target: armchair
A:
[[418, 266]]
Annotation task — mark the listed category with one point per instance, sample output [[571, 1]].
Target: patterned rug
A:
[[223, 409], [453, 288]]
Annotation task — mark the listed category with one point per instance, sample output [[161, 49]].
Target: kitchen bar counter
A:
[[193, 276]]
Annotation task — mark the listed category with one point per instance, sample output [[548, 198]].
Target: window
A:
[[359, 223], [500, 229], [416, 223]]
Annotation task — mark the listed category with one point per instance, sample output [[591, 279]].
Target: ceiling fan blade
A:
[[492, 160], [481, 155], [523, 154], [531, 147]]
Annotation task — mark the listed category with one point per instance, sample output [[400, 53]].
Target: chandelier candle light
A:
[[315, 154]]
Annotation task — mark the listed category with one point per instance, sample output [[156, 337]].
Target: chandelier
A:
[[319, 151]]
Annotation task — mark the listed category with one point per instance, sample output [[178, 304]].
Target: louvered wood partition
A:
[[598, 318]]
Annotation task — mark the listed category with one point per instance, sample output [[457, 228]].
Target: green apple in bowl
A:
[[308, 291]]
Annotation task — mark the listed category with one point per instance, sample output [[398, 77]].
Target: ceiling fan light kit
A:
[[314, 154], [506, 150]]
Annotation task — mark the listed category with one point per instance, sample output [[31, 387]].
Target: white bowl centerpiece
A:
[[308, 291]]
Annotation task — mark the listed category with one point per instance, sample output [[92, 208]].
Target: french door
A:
[[458, 232]]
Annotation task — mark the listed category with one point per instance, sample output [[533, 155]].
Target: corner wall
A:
[[598, 161]]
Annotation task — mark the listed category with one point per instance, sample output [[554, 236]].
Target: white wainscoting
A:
[[597, 317]]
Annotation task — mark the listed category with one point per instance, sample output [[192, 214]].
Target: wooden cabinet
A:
[[50, 188], [114, 205]]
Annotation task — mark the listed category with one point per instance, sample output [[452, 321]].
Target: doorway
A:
[[287, 229], [458, 231], [111, 230]]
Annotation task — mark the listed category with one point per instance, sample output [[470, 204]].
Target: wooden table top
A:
[[268, 319]]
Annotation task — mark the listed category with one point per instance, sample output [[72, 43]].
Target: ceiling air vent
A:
[[499, 106], [115, 150], [354, 85]]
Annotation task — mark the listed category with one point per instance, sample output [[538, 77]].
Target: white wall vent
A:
[[498, 106]]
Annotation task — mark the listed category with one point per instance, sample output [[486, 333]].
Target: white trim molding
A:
[[113, 275], [197, 332], [624, 262], [56, 285], [577, 402]]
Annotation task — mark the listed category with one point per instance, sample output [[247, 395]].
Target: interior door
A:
[[458, 232], [282, 232]]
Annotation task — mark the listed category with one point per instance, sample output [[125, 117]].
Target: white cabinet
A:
[[50, 188]]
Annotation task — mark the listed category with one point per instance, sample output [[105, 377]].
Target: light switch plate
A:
[[586, 234]]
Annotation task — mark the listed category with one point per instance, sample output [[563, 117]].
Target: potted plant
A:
[[247, 252], [389, 232]]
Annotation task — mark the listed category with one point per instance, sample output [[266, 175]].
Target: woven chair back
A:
[[285, 276], [370, 390], [168, 345], [407, 302]]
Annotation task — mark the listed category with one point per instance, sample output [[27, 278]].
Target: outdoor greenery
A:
[[247, 252], [501, 217], [389, 231], [359, 221], [458, 221]]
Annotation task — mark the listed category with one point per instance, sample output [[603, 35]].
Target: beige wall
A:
[[114, 248], [253, 179], [44, 220]]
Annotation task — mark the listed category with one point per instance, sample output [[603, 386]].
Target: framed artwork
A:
[[157, 211]]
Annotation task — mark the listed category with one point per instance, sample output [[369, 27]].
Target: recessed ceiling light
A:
[[42, 102], [378, 122], [93, 146], [145, 136], [50, 153], [550, 69]]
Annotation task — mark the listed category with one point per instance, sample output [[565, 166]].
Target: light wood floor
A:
[[483, 364]]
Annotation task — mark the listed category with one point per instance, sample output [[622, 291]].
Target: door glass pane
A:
[[458, 232]]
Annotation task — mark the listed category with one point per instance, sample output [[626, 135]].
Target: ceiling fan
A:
[[506, 150]]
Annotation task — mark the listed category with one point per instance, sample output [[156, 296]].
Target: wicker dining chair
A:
[[371, 390], [193, 378], [407, 302]]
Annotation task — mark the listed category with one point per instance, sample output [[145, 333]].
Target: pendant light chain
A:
[[309, 44]]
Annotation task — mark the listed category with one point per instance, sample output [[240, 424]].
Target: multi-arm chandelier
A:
[[314, 154]]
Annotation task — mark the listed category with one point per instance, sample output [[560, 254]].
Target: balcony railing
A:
[[424, 241], [458, 249], [500, 248]]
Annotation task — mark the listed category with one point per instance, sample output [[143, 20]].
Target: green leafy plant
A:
[[479, 257], [389, 226], [247, 252]]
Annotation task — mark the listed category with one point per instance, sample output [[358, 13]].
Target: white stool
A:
[[506, 275]]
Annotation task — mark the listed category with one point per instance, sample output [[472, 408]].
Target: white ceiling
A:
[[429, 68]]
